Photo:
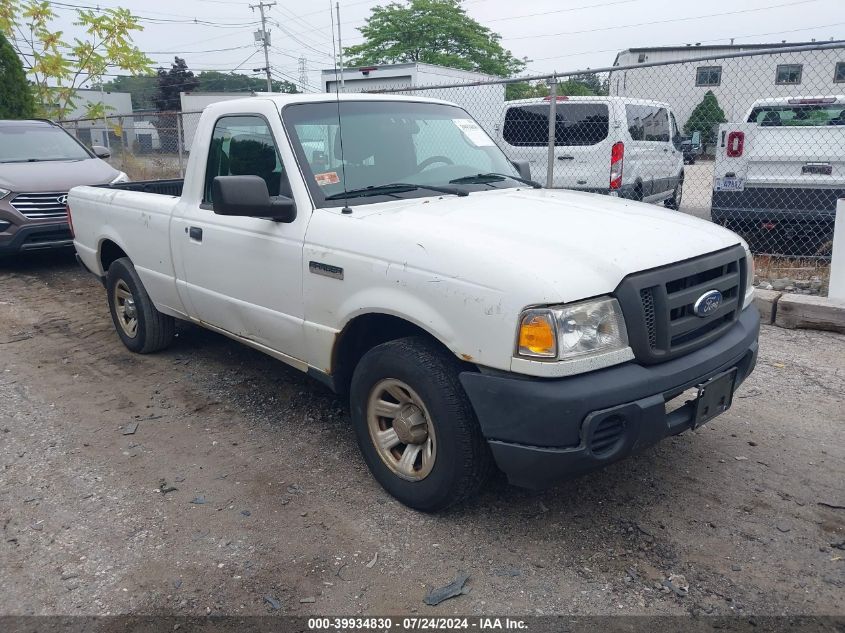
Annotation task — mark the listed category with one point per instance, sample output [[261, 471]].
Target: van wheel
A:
[[141, 327], [675, 201], [415, 426]]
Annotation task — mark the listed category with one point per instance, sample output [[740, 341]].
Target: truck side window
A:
[[244, 146]]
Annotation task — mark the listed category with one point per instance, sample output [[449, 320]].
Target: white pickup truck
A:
[[779, 174], [474, 320]]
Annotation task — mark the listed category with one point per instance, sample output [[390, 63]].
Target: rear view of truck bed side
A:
[[778, 175]]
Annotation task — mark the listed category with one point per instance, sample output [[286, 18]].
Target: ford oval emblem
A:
[[707, 303]]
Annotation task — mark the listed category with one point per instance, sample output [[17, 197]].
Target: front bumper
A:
[[541, 431], [37, 237]]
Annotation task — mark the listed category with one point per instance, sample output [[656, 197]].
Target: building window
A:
[[641, 58], [788, 74], [839, 73], [708, 75]]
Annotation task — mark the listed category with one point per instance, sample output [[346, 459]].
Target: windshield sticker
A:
[[328, 178], [473, 132]]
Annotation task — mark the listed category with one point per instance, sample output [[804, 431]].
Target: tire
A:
[[152, 331], [452, 462], [677, 196]]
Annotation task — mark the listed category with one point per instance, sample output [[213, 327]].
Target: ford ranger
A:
[[388, 248]]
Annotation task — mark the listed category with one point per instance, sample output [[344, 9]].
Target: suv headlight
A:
[[121, 177], [4, 193], [575, 330]]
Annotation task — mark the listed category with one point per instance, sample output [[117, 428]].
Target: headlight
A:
[[575, 330], [4, 193], [749, 277], [121, 177]]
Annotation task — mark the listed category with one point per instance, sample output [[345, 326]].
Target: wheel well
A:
[[109, 252], [362, 334]]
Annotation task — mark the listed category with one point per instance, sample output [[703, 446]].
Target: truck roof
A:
[[820, 99], [282, 100], [588, 99]]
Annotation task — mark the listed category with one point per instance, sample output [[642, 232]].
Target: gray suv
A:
[[39, 163]]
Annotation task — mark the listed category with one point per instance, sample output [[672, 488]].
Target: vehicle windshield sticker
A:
[[328, 178], [473, 132]]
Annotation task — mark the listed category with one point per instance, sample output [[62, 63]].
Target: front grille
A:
[[658, 304], [41, 206]]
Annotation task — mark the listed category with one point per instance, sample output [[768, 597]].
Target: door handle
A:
[[566, 158], [195, 233]]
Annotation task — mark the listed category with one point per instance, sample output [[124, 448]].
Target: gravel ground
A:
[[273, 511]]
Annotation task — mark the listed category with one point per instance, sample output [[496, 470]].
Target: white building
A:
[[483, 104], [93, 131], [737, 82]]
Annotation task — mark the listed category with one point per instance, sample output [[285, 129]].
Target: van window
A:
[[648, 123], [577, 124]]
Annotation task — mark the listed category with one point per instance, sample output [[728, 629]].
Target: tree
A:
[[214, 81], [433, 32], [585, 85], [705, 118], [143, 89], [58, 68], [15, 96], [171, 83]]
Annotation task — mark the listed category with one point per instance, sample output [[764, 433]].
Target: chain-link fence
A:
[[754, 141], [147, 146]]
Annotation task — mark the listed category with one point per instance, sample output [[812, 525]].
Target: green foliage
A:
[[15, 97], [213, 81], [171, 82], [60, 68], [705, 118], [433, 32], [586, 85], [142, 88]]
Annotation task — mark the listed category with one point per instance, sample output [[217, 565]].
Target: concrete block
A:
[[766, 302], [810, 312]]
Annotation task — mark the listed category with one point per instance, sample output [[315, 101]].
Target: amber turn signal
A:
[[537, 335]]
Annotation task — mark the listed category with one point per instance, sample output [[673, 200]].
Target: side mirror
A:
[[100, 151], [247, 196], [524, 168]]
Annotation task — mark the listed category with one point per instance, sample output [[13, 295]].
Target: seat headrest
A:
[[251, 155]]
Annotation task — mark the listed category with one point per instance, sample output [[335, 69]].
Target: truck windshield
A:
[[384, 142], [38, 142], [804, 115]]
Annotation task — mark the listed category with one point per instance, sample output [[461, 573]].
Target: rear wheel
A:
[[415, 426], [141, 327], [675, 201]]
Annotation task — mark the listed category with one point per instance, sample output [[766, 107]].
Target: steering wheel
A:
[[434, 159]]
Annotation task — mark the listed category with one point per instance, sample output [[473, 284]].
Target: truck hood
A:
[[563, 245], [55, 175]]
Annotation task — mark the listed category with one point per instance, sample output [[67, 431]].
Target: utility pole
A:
[[303, 73], [339, 47], [265, 39]]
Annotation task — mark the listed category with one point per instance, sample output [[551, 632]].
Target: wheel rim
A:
[[401, 430], [125, 309]]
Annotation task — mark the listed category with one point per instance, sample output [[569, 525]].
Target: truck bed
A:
[[171, 187]]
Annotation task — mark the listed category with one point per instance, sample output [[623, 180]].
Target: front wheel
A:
[[415, 426], [675, 201], [141, 327]]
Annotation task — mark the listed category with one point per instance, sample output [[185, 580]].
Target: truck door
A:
[[242, 275]]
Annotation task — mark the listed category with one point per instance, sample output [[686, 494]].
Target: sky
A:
[[561, 35]]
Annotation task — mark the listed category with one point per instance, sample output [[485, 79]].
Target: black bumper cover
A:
[[38, 237], [539, 430]]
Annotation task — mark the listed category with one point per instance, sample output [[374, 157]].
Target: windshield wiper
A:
[[492, 176], [391, 188]]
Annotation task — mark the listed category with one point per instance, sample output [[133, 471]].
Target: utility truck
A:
[[388, 248]]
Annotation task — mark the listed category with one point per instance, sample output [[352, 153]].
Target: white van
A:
[[625, 147]]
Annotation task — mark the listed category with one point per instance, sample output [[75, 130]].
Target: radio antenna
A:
[[337, 80]]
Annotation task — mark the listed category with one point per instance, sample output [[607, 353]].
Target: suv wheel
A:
[[139, 325], [675, 201], [415, 426]]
